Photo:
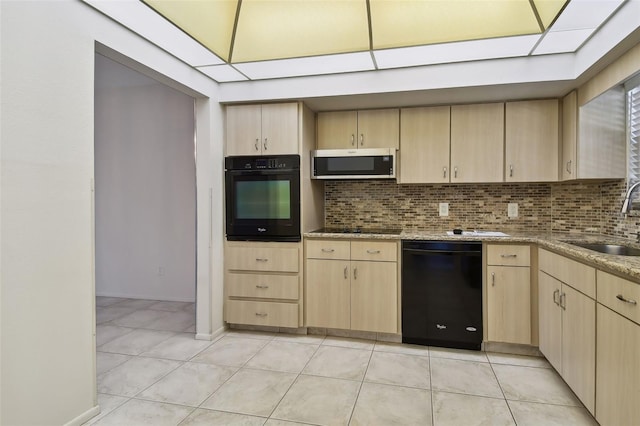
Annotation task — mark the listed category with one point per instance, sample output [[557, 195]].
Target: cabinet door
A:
[[569, 136], [531, 141], [280, 129], [579, 345], [379, 128], [337, 130], [477, 143], [425, 134], [509, 304], [550, 319], [617, 369], [328, 293], [374, 296], [244, 135]]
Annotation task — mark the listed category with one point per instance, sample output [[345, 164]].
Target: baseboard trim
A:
[[145, 297], [82, 418], [210, 336]]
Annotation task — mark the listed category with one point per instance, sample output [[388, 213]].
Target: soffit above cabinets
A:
[[239, 40]]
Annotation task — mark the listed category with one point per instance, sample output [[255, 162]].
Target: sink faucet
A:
[[626, 206]]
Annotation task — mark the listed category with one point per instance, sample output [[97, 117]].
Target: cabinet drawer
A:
[[508, 255], [577, 275], [612, 289], [273, 259], [262, 286], [374, 250], [262, 313], [328, 249]]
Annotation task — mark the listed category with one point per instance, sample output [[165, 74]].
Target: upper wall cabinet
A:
[[269, 129], [477, 143], [593, 137], [531, 141], [359, 129], [424, 152]]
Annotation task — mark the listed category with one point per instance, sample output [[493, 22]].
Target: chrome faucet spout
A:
[[626, 206]]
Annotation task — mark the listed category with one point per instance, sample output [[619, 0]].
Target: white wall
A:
[[47, 291], [145, 186]]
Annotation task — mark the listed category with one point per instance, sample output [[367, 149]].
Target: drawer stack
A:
[[262, 284]]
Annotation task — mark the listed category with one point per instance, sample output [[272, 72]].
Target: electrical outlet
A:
[[512, 210], [444, 209]]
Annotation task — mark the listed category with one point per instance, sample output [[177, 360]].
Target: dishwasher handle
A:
[[445, 252]]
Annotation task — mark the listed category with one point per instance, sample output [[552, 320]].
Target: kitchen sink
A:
[[617, 249]]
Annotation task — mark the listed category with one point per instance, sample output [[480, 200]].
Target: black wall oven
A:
[[262, 198]]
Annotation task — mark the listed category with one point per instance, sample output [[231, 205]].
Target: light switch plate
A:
[[512, 210], [444, 209]]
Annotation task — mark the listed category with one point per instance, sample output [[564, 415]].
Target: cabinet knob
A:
[[353, 139], [455, 172], [569, 166], [346, 269], [355, 273], [493, 279], [508, 255], [324, 250], [265, 144], [444, 172], [262, 286], [555, 298], [256, 144], [563, 301], [361, 139], [261, 259], [373, 251], [510, 170], [261, 314]]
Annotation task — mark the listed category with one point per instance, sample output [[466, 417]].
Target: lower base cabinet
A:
[[352, 285]]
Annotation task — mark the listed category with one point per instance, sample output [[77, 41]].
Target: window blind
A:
[[633, 97]]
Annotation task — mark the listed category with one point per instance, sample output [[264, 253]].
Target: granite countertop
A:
[[625, 266]]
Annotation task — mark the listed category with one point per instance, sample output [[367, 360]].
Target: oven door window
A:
[[263, 199]]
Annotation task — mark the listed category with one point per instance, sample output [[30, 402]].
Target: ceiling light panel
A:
[[581, 14], [209, 22], [278, 29], [504, 47], [548, 10], [562, 41], [222, 73], [317, 65], [412, 23], [144, 21]]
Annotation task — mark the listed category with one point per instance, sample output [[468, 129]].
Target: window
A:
[[633, 129]]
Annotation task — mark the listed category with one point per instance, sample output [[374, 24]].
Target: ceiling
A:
[[244, 40]]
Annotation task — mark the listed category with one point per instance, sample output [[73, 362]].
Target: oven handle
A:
[[261, 172], [447, 252]]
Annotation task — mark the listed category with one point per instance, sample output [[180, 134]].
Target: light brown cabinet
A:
[[268, 129], [508, 294], [568, 322], [618, 346], [531, 141], [359, 129], [352, 285], [593, 137], [425, 134], [262, 284], [477, 143]]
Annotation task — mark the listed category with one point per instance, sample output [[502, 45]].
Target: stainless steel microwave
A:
[[377, 163]]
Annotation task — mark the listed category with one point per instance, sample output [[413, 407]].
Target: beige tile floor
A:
[[151, 371]]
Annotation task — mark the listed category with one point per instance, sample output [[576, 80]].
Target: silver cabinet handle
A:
[[563, 301], [261, 259], [508, 255], [262, 286], [373, 251], [630, 301], [493, 279], [361, 139], [444, 172], [346, 268], [261, 314], [510, 170], [353, 139], [256, 144], [455, 172], [324, 250], [569, 166], [355, 273], [265, 144], [555, 299]]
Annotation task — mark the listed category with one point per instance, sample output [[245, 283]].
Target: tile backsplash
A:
[[542, 207]]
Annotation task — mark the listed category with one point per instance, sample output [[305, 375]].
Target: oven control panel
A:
[[280, 162]]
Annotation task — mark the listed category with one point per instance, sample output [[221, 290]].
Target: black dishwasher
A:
[[442, 293]]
